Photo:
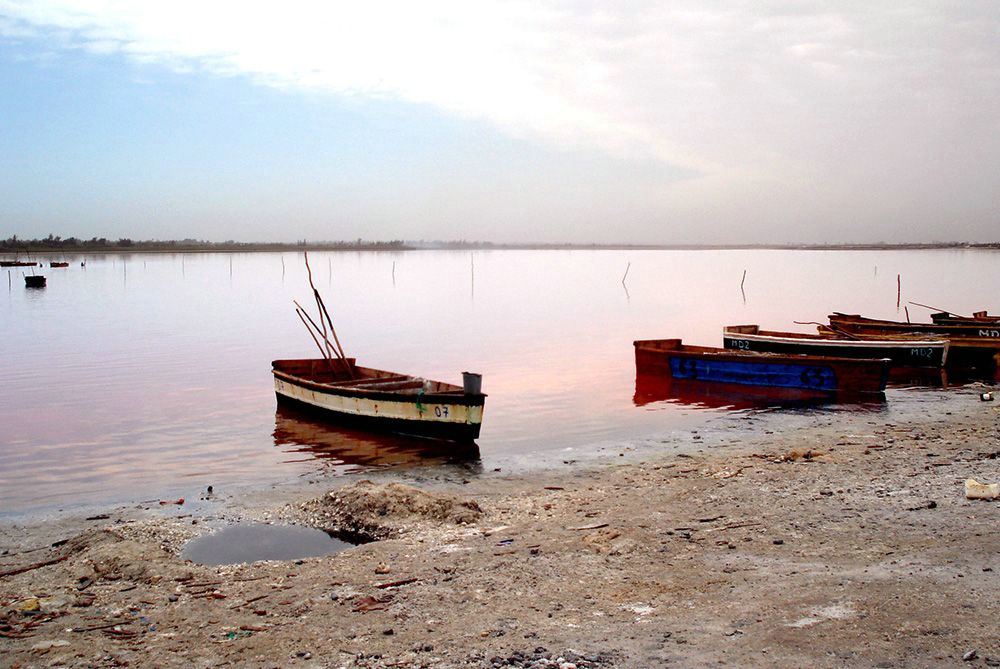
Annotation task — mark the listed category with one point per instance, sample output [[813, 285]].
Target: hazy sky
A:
[[542, 120]]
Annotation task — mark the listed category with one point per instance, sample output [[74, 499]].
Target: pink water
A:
[[148, 376]]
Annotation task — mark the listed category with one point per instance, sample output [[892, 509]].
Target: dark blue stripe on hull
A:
[[755, 373]]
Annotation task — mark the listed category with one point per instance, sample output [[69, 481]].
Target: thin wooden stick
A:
[[323, 312], [311, 334], [302, 311], [925, 306], [899, 289], [305, 255]]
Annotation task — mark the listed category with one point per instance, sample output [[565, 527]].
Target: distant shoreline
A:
[[17, 247]]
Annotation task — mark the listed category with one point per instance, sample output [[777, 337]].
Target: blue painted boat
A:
[[810, 375]]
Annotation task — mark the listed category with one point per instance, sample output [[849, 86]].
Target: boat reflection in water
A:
[[298, 432], [654, 388]]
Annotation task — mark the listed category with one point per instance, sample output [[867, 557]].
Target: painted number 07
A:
[[440, 411]]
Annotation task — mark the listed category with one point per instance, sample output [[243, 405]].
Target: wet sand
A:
[[846, 541]]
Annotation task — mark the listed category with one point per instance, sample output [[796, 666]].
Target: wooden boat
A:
[[854, 323], [58, 264], [377, 399], [810, 375], [977, 318], [34, 281], [901, 349], [969, 344]]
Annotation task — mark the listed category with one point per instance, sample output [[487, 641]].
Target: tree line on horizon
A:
[[56, 242]]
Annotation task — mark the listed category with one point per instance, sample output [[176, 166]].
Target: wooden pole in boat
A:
[[926, 306], [305, 255], [312, 334], [322, 307], [331, 351]]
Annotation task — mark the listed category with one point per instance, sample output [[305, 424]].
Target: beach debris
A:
[[369, 603], [806, 454], [976, 490], [382, 568], [970, 656], [372, 512], [986, 397], [929, 504], [165, 502]]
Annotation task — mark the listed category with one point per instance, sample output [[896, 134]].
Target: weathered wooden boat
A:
[[969, 344], [340, 390], [34, 281], [58, 264], [810, 375], [901, 349], [977, 318], [854, 323]]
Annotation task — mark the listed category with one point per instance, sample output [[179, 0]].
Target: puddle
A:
[[253, 542]]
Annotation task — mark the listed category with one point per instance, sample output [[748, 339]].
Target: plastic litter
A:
[[976, 490]]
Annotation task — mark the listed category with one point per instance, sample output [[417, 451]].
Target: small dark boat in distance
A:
[[58, 264], [809, 375], [34, 281], [901, 349], [16, 263], [381, 400]]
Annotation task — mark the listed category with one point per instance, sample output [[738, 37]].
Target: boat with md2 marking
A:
[[377, 399], [909, 350], [971, 344], [808, 375]]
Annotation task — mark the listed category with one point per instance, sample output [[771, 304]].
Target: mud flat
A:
[[845, 542]]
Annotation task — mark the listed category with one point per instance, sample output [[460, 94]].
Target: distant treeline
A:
[[56, 243], [51, 243]]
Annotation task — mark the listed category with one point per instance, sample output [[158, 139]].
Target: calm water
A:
[[148, 376]]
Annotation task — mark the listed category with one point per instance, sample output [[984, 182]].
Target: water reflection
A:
[[298, 432], [654, 388]]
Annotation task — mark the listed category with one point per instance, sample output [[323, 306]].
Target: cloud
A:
[[765, 101]]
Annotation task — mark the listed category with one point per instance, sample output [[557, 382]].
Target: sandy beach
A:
[[846, 541]]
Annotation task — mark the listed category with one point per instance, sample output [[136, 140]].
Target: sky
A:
[[537, 121]]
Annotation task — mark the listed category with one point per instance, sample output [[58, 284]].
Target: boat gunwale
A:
[[454, 395], [889, 341]]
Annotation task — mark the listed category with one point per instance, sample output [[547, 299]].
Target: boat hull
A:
[[909, 351], [452, 416], [970, 344], [813, 376]]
